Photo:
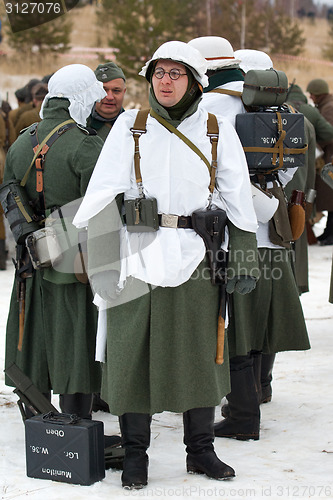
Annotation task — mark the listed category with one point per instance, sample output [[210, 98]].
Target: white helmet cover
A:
[[253, 59], [78, 84], [217, 51], [183, 53]]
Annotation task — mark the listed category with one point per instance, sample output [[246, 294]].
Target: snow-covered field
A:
[[292, 459]]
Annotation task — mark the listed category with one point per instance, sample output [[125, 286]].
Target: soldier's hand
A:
[[241, 284], [105, 284]]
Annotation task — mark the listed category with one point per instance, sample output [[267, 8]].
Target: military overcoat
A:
[[58, 350]]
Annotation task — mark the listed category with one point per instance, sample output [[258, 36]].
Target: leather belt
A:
[[268, 177], [175, 221]]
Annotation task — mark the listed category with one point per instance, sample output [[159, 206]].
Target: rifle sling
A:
[[235, 93]]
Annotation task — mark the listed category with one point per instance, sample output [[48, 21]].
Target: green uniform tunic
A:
[[58, 349]]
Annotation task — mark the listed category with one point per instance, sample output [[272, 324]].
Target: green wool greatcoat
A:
[[58, 349], [161, 346], [157, 345], [270, 318]]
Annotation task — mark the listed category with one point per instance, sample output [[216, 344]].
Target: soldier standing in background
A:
[[24, 100], [252, 329], [106, 112], [102, 118], [31, 116], [7, 137], [56, 346], [319, 92]]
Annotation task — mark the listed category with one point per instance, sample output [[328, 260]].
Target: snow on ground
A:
[[292, 459]]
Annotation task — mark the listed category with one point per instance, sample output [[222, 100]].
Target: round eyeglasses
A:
[[174, 74]]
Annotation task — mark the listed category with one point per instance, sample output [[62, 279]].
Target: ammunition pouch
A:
[[141, 215], [18, 210], [43, 248], [210, 225]]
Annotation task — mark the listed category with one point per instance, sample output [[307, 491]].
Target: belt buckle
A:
[[168, 220]]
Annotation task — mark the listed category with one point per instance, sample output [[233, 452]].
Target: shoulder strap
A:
[[40, 147], [235, 93], [213, 134], [139, 128]]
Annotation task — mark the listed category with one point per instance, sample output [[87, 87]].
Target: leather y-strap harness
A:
[[139, 128], [41, 150]]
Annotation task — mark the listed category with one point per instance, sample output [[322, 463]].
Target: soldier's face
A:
[[169, 92], [110, 106]]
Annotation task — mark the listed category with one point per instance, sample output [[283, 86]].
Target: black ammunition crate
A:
[[64, 449], [260, 130]]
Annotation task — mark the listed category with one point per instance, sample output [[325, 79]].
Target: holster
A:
[[210, 225]]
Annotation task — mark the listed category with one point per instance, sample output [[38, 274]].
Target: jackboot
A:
[[267, 364], [199, 438], [135, 431], [3, 255], [99, 404], [79, 403], [257, 362], [328, 231], [243, 421], [257, 359]]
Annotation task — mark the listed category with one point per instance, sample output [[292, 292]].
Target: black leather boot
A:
[[135, 431], [257, 361], [80, 404], [243, 421], [198, 438], [257, 372], [3, 255], [99, 404], [267, 364], [327, 235]]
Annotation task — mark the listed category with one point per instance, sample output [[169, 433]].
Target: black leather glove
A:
[[241, 284], [105, 284]]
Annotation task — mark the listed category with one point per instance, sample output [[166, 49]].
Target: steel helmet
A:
[[217, 51], [253, 59], [317, 87], [179, 52]]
